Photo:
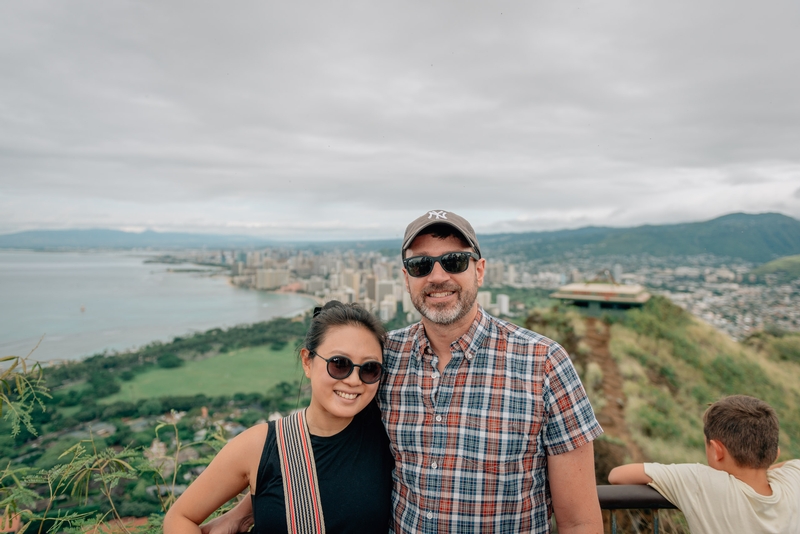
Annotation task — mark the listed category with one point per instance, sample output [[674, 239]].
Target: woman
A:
[[342, 356]]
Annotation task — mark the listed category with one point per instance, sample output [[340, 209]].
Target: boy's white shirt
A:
[[715, 502]]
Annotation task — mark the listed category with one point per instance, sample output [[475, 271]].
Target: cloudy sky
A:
[[325, 120]]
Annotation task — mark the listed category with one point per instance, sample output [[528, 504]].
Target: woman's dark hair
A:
[[335, 313]]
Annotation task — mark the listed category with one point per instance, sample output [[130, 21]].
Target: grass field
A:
[[248, 370]]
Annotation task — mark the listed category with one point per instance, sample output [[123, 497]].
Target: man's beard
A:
[[444, 315]]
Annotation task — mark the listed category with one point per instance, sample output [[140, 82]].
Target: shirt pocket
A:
[[495, 445]]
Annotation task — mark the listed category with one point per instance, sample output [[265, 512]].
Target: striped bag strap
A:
[[300, 486]]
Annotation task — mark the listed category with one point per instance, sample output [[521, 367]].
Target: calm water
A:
[[84, 303]]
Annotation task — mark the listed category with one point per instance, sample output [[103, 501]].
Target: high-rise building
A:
[[502, 304], [494, 274], [484, 299], [616, 272], [315, 284], [271, 278], [511, 275], [352, 280], [254, 259], [372, 287], [385, 287], [388, 308]]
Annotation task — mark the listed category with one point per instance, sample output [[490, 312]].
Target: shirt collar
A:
[[469, 343]]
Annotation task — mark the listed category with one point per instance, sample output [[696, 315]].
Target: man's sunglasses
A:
[[340, 367], [452, 262]]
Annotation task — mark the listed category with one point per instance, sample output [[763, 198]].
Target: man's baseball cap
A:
[[440, 217]]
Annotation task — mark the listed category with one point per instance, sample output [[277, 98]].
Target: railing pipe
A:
[[631, 497]]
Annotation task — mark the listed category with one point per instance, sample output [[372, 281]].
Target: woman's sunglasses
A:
[[452, 262], [340, 367]]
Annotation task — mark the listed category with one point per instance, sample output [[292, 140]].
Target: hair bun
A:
[[328, 306], [332, 304]]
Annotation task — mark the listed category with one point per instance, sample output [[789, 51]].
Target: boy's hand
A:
[[629, 474]]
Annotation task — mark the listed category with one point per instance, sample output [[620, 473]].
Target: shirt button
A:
[[434, 465], [434, 375], [430, 515], [438, 418]]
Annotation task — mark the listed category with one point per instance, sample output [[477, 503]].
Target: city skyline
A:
[[346, 122]]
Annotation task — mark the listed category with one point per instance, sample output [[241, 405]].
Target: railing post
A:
[[613, 522], [655, 521]]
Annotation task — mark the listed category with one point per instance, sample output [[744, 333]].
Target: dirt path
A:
[[612, 415]]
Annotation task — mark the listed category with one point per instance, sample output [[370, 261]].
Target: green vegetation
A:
[[674, 366], [751, 237], [61, 474], [99, 376], [784, 269], [59, 471], [251, 370]]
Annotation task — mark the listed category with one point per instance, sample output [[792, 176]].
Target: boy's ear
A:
[[718, 450], [778, 455]]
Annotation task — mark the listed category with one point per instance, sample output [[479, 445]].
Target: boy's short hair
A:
[[748, 427]]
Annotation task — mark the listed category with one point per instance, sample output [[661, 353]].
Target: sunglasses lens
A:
[[371, 372], [419, 266], [453, 263], [339, 367], [456, 262]]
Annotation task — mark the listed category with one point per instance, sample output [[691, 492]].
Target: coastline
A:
[[90, 303]]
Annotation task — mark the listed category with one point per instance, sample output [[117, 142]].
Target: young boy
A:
[[738, 491]]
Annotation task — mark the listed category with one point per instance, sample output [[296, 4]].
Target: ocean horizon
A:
[[84, 303]]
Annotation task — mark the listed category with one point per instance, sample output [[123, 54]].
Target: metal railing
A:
[[631, 497]]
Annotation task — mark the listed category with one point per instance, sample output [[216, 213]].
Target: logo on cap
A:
[[437, 214]]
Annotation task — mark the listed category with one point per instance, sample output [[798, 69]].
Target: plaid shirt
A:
[[471, 444]]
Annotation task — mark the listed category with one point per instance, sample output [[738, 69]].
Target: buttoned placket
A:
[[441, 393]]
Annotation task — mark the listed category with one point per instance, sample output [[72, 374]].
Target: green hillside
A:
[[757, 238], [785, 269], [671, 367]]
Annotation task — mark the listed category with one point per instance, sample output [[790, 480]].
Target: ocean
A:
[[84, 303]]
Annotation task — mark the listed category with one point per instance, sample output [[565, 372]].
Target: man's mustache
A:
[[436, 288]]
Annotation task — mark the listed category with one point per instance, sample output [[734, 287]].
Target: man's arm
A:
[[629, 474], [574, 492]]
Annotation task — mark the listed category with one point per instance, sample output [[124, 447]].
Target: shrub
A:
[[786, 348], [169, 361], [151, 407], [119, 409], [655, 424], [127, 375]]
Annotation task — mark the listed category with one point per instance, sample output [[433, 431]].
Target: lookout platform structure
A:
[[596, 298]]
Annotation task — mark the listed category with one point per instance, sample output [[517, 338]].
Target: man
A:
[[489, 424], [490, 427]]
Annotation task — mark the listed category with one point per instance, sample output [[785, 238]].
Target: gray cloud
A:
[[239, 118]]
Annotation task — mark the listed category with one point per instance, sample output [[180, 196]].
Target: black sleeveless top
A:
[[354, 470]]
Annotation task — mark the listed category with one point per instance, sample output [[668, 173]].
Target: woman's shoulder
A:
[[250, 440]]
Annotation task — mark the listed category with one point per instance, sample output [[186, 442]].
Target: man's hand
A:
[[239, 519], [629, 474], [574, 491]]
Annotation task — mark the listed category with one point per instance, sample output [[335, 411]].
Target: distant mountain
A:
[[115, 239], [757, 238]]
